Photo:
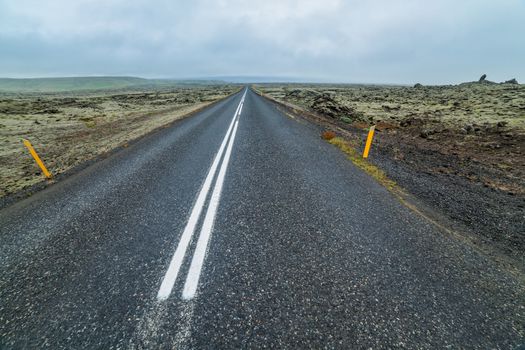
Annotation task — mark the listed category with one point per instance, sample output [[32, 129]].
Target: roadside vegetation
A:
[[67, 129], [356, 158], [85, 84]]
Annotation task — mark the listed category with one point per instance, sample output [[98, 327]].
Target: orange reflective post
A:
[[37, 159], [369, 141]]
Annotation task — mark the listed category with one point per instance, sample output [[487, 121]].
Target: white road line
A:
[[240, 108], [192, 280], [176, 261]]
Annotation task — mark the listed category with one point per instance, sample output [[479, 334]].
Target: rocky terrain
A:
[[67, 129], [458, 149]]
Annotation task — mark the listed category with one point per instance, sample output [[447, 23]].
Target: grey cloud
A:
[[392, 41]]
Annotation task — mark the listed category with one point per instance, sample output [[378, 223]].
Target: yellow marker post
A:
[[369, 141], [37, 159]]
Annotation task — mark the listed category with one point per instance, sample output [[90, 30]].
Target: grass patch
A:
[[361, 163], [89, 122]]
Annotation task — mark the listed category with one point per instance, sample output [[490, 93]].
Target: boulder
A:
[[411, 122], [325, 104], [483, 80]]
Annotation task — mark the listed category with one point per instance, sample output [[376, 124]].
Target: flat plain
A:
[[69, 128]]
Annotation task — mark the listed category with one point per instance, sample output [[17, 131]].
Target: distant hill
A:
[[90, 83], [68, 84]]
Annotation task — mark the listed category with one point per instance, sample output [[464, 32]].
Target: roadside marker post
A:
[[37, 159], [369, 141]]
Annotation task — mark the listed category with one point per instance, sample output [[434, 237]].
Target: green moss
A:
[[362, 163], [454, 106]]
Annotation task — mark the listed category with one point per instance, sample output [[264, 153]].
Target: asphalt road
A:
[[240, 228]]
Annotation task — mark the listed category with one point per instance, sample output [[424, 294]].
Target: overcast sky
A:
[[374, 41]]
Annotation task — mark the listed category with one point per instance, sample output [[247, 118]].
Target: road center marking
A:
[[192, 280], [178, 257]]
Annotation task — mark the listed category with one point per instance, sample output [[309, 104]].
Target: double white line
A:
[[192, 280]]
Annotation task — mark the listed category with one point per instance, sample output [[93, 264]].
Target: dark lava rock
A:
[[411, 122], [483, 80], [468, 129], [511, 81], [302, 94], [391, 108], [326, 105], [48, 111], [418, 86], [424, 134]]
